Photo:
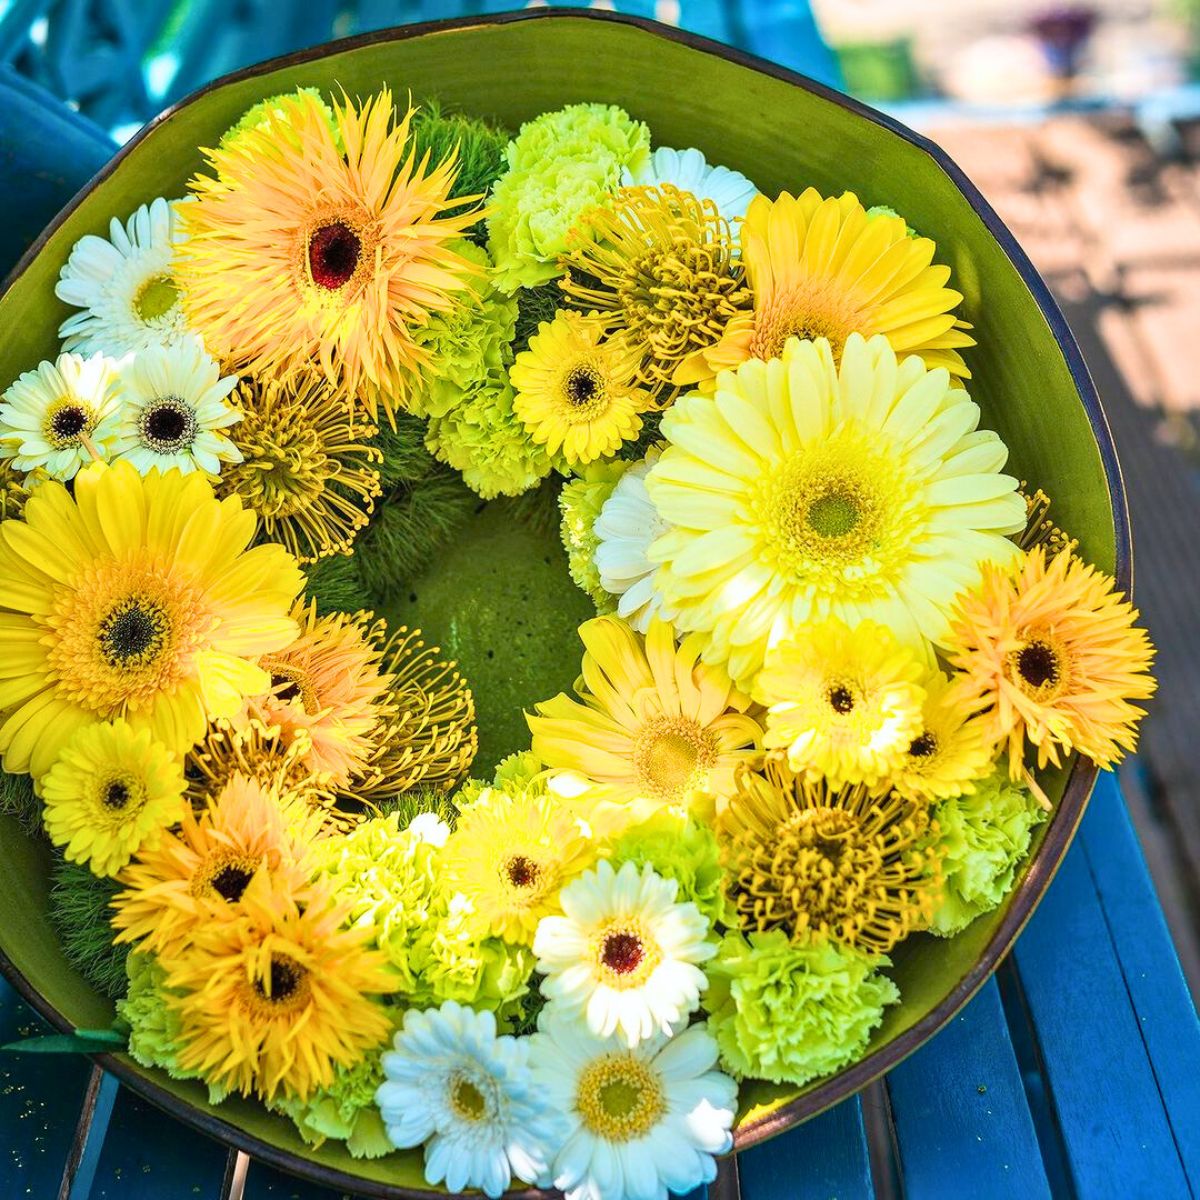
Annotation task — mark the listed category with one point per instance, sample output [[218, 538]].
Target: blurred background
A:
[[1079, 122]]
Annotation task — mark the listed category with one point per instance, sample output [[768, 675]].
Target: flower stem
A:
[[90, 447]]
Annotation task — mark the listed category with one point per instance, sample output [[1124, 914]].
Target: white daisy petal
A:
[[689, 171]]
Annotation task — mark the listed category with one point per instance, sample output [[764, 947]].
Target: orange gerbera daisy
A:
[[296, 256], [1050, 655]]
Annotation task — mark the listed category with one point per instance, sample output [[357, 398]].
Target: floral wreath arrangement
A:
[[835, 645]]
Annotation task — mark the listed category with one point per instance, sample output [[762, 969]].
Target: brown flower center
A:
[[285, 983], [924, 745], [622, 952], [133, 632], [168, 425], [68, 421], [1040, 667], [116, 794], [334, 250], [521, 872], [841, 699]]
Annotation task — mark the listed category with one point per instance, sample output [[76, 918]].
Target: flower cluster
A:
[[837, 650]]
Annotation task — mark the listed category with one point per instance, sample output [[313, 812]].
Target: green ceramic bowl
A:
[[783, 131]]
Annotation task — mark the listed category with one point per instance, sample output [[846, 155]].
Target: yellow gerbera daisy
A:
[[803, 489], [201, 873], [653, 727], [821, 267], [842, 702], [137, 597], [296, 256], [576, 392], [510, 854], [1050, 655], [274, 1001], [110, 794], [950, 752], [847, 865]]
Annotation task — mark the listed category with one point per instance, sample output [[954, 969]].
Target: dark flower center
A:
[[582, 386], [841, 699], [622, 953], [923, 746], [285, 687], [116, 795], [230, 882], [1038, 664], [133, 630], [522, 872], [286, 976], [69, 421], [333, 253], [167, 425]]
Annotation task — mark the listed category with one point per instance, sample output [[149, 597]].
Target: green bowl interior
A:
[[499, 600]]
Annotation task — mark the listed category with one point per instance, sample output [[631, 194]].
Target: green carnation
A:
[[483, 438], [522, 770], [559, 166], [684, 850], [884, 210], [580, 502], [258, 116], [983, 838], [467, 343], [791, 1013]]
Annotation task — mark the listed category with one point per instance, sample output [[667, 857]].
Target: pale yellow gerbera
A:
[[653, 726], [576, 391], [138, 597], [295, 256], [821, 267], [843, 703], [803, 490]]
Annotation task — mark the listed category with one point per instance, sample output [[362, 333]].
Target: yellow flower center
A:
[[65, 421], [223, 873], [156, 297], [625, 953], [808, 312], [1041, 668], [619, 1097], [467, 1099], [583, 392], [284, 988], [671, 756]]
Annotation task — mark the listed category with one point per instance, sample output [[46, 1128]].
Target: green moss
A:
[[537, 508], [79, 908], [17, 799]]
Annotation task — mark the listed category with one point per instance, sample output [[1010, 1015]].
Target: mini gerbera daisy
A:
[[627, 524], [335, 259], [623, 957], [273, 1001], [642, 1122], [804, 490], [174, 410], [61, 416], [451, 1084], [1050, 655], [951, 751], [575, 391], [125, 285], [653, 725], [659, 266], [307, 468], [843, 702], [822, 268], [689, 171], [110, 794], [846, 865], [510, 854], [156, 617]]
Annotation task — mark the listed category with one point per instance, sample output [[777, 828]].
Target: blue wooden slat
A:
[[786, 32], [959, 1111], [708, 18], [90, 1134], [821, 1159], [1100, 1081]]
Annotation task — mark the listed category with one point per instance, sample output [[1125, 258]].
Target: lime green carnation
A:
[[983, 838], [792, 1013], [580, 502], [260, 115], [682, 849], [522, 770], [560, 165], [484, 439]]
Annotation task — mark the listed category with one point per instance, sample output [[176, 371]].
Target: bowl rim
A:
[[1083, 774]]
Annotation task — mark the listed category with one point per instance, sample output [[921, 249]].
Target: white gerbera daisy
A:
[[173, 409], [124, 284], [643, 1121], [624, 955], [689, 171], [469, 1096], [627, 524], [55, 416]]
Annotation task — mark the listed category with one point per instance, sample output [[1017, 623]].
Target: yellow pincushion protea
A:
[[821, 267], [805, 489], [295, 256], [138, 597], [653, 727]]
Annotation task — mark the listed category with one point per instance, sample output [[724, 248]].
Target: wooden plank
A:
[[959, 1111], [90, 1131], [1099, 1079], [823, 1158]]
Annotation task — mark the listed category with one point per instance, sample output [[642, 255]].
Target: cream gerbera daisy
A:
[[804, 490], [689, 171], [642, 1122], [628, 523], [125, 285], [60, 416], [451, 1084], [844, 703], [174, 410], [575, 391], [110, 794], [623, 957], [653, 725]]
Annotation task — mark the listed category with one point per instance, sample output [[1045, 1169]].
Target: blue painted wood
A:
[[959, 1111], [708, 18], [786, 32], [1101, 1084], [92, 1132]]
